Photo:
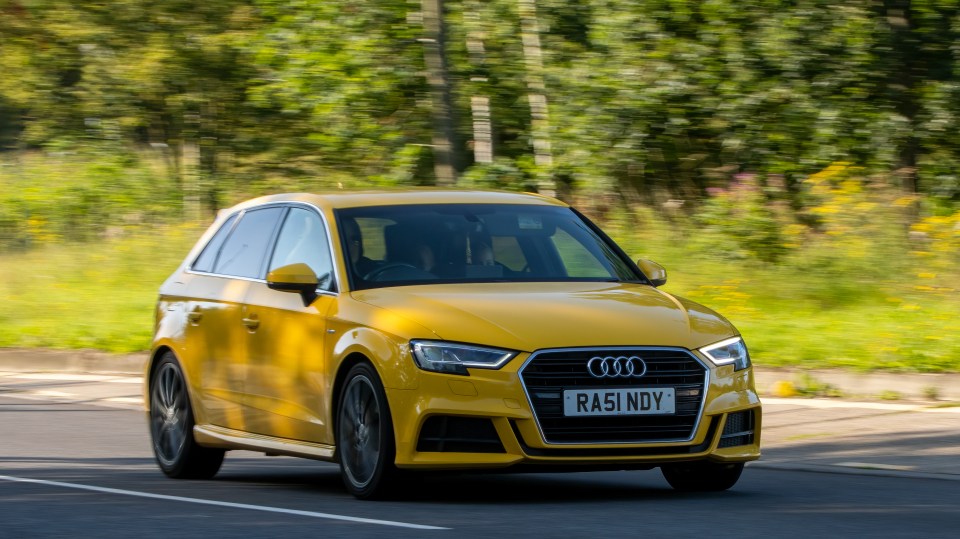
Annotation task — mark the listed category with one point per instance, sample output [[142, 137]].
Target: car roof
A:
[[385, 197]]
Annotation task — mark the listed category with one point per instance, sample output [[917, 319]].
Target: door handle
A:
[[252, 323]]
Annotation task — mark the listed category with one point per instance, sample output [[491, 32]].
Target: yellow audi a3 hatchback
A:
[[428, 330]]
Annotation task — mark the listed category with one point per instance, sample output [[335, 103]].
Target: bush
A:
[[744, 220], [501, 174], [76, 197]]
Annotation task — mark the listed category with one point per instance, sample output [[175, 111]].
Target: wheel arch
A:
[[150, 368], [348, 362]]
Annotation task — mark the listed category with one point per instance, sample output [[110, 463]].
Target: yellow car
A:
[[440, 330]]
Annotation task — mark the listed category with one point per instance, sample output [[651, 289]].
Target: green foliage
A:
[[744, 221], [899, 317], [95, 295], [792, 157], [343, 80], [809, 386], [74, 197], [663, 98], [890, 395], [501, 174]]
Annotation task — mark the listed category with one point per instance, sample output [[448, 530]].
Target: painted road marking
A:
[[58, 397], [55, 394], [824, 403], [944, 410], [887, 406], [125, 400], [874, 466], [71, 377], [66, 377], [328, 516]]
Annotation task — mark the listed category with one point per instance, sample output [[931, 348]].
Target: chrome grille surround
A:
[[574, 357]]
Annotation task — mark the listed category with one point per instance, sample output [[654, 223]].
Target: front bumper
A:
[[485, 420]]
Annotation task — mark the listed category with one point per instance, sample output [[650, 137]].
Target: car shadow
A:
[[297, 478], [478, 488]]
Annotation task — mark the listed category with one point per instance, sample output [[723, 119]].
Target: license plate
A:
[[599, 402]]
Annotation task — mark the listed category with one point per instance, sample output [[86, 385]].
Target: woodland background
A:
[[793, 163]]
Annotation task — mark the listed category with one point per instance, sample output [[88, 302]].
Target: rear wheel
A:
[[365, 445], [702, 476], [171, 426]]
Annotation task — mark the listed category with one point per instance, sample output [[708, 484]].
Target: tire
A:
[[171, 426], [702, 476], [365, 444]]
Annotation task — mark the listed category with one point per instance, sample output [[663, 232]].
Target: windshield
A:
[[436, 243]]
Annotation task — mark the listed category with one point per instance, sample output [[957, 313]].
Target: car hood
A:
[[532, 316]]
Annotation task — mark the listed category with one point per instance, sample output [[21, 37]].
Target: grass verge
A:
[[97, 295], [101, 295]]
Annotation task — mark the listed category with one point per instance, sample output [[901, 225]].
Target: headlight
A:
[[729, 351], [453, 358]]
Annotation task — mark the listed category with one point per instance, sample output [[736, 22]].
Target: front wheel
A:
[[702, 476], [171, 426], [365, 445]]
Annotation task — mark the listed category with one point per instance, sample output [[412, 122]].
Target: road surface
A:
[[75, 462]]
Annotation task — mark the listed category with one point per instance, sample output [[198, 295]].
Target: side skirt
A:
[[214, 436]]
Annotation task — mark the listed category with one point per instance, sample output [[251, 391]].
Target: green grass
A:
[[98, 295], [101, 295], [888, 327], [892, 315]]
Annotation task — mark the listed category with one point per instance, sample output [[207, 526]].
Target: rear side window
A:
[[209, 255], [243, 253]]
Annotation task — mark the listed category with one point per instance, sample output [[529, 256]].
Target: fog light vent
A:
[[738, 429], [455, 434]]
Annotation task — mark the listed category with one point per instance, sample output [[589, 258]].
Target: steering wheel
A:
[[377, 273]]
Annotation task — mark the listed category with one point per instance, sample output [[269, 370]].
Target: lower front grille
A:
[[547, 374], [619, 451], [738, 430], [457, 434]]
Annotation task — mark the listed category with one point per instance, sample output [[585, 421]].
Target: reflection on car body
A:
[[420, 330]]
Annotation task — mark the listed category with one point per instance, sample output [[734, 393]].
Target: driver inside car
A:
[[361, 264], [425, 257]]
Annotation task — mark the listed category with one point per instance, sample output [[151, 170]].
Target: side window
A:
[[507, 251], [243, 253], [580, 263], [371, 230], [303, 238], [206, 259]]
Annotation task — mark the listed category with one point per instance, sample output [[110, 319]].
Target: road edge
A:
[[836, 383]]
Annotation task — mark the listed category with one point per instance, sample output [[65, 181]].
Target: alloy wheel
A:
[[359, 427], [168, 414]]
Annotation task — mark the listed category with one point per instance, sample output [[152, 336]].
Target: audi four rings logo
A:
[[616, 367]]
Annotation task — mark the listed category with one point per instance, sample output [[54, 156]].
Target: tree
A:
[[435, 58]]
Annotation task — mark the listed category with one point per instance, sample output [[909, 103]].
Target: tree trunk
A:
[[190, 166], [539, 113], [190, 174], [479, 104], [902, 85], [439, 81]]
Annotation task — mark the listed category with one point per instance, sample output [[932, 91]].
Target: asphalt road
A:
[[82, 468]]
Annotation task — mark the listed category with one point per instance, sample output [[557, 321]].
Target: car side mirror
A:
[[298, 278], [655, 272]]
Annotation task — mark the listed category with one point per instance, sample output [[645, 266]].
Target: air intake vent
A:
[[456, 434], [738, 430]]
